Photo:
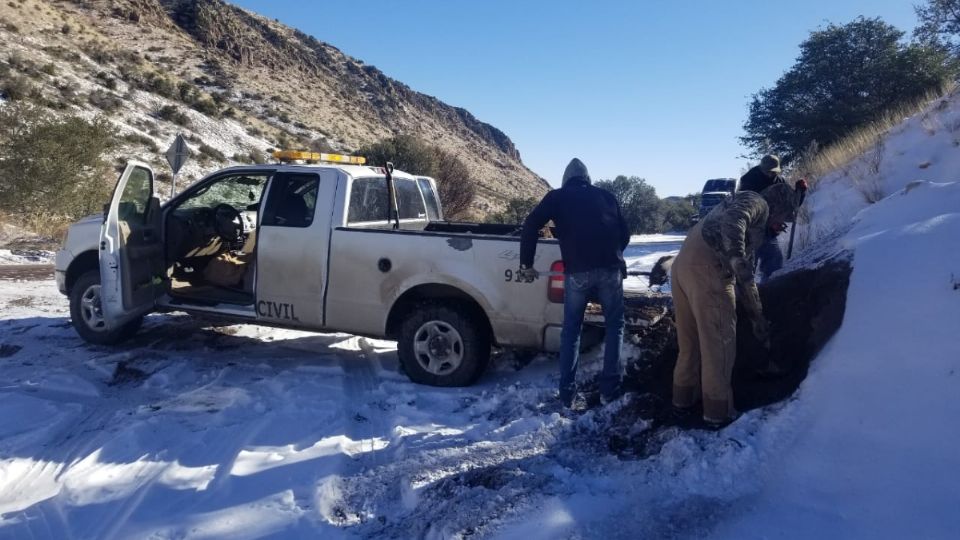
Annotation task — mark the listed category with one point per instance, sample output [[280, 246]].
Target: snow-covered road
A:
[[193, 430]]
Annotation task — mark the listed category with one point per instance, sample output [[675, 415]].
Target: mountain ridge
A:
[[281, 85]]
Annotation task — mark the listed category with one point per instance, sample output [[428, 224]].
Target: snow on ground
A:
[[643, 252], [657, 238], [195, 431], [26, 256]]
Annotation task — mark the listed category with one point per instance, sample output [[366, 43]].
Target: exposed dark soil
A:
[[805, 308], [31, 272], [7, 350]]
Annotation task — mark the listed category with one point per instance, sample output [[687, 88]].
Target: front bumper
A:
[[61, 278], [60, 265]]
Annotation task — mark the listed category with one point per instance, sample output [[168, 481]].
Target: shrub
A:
[[106, 80], [105, 101], [159, 84], [206, 106], [209, 152], [321, 145], [257, 157], [16, 88], [456, 186], [63, 53], [142, 140], [53, 163], [172, 113], [516, 211]]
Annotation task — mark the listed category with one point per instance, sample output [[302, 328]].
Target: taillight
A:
[[555, 283]]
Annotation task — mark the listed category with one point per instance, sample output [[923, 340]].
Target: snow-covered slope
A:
[[876, 456], [925, 146], [875, 452]]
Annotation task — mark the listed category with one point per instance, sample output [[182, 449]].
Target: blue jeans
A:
[[606, 286], [769, 257]]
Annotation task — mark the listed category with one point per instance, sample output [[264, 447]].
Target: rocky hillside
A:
[[235, 84]]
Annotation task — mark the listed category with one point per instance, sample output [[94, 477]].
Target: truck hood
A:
[[84, 235], [98, 218]]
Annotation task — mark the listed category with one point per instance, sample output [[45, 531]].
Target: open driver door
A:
[[131, 252]]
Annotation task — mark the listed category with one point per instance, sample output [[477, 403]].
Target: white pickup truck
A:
[[326, 247]]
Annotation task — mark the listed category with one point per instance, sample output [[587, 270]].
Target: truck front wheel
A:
[[87, 315], [443, 345]]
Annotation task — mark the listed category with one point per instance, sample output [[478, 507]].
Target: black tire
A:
[[87, 286], [456, 324]]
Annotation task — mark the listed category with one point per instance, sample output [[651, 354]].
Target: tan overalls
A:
[[706, 319]]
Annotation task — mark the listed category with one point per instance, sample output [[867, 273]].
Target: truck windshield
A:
[[720, 184]]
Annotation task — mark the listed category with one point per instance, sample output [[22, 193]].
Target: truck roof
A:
[[355, 171]]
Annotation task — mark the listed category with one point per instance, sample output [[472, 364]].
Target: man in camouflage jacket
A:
[[714, 268]]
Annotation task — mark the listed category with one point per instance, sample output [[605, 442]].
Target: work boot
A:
[[682, 413], [577, 404], [717, 424]]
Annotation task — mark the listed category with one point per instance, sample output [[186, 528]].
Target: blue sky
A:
[[655, 89]]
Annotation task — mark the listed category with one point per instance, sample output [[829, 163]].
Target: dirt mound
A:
[[805, 308]]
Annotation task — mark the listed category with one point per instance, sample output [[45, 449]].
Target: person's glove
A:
[[742, 270], [528, 273], [801, 185], [761, 329]]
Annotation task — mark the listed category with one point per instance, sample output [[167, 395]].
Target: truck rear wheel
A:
[[87, 316], [443, 345]]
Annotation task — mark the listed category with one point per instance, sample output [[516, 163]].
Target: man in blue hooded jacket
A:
[[593, 235]]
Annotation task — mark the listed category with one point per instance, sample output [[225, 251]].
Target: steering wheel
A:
[[228, 223]]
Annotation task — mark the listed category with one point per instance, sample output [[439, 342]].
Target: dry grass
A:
[[816, 162], [52, 227], [867, 143]]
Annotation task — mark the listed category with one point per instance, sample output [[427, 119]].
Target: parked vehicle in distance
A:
[[714, 191], [334, 246]]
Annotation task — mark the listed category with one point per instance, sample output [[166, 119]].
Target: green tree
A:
[[677, 213], [638, 203], [455, 184], [515, 212], [939, 24], [53, 165], [846, 76]]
